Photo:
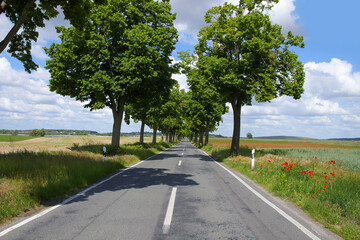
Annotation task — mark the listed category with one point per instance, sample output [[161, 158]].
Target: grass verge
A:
[[31, 179], [328, 192]]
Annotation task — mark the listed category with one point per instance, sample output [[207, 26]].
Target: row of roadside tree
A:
[[118, 53]]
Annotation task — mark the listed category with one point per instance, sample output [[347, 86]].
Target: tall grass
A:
[[30, 179]]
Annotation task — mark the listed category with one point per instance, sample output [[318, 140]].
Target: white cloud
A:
[[190, 16], [332, 80], [282, 14]]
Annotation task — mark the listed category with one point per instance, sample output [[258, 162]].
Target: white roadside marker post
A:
[[104, 154], [253, 159]]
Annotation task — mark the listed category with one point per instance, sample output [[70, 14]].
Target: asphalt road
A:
[[180, 193]]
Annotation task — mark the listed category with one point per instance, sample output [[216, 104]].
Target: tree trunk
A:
[[16, 27], [191, 137], [117, 115], [196, 137], [142, 129], [236, 105], [207, 132], [201, 137], [162, 136], [167, 135], [154, 133]]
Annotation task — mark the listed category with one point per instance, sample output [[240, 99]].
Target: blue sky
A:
[[329, 108]]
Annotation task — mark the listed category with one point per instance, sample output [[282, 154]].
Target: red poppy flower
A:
[[325, 173], [333, 174], [285, 164], [326, 182], [324, 189], [318, 190], [325, 186], [269, 160], [313, 196], [325, 176]]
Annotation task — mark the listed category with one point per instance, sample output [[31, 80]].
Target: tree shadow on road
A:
[[140, 178]]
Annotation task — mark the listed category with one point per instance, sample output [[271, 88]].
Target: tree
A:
[[171, 114], [206, 104], [124, 46], [31, 14], [249, 135], [37, 132], [247, 57]]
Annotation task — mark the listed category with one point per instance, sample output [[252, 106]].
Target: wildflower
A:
[[325, 176], [269, 160], [318, 190], [332, 174], [285, 164], [325, 186], [326, 182], [325, 173], [316, 158], [324, 189], [313, 196]]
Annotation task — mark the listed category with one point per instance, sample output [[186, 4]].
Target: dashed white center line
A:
[[182, 154], [179, 164], [169, 212]]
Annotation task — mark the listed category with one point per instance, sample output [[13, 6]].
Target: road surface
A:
[[181, 193]]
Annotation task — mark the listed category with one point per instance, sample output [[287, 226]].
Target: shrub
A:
[[37, 132]]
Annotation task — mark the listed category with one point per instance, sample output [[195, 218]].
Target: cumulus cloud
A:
[[332, 80], [190, 16]]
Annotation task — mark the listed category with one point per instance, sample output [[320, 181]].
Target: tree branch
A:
[[22, 18]]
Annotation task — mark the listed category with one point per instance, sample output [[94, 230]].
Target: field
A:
[[40, 171], [345, 153], [321, 177], [41, 144], [8, 138]]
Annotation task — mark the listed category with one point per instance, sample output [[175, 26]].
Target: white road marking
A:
[[169, 211], [179, 163], [22, 223], [281, 212], [182, 154]]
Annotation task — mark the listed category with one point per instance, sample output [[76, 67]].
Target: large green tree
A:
[[28, 15], [125, 46], [247, 57]]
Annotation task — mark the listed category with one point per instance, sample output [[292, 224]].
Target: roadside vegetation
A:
[[323, 181], [30, 180]]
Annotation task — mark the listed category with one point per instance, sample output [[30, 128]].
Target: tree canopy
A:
[[246, 57], [30, 14], [124, 48]]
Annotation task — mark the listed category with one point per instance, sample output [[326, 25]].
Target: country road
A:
[[181, 193]]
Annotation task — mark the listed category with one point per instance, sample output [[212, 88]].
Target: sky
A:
[[329, 107]]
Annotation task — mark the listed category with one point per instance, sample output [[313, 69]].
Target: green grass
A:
[[8, 138], [30, 179], [337, 208]]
